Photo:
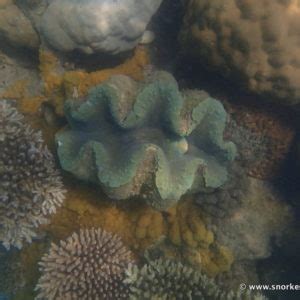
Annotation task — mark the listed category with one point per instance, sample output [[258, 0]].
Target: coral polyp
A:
[[146, 139], [30, 186], [88, 265]]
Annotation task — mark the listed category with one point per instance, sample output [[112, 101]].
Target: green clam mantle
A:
[[146, 139]]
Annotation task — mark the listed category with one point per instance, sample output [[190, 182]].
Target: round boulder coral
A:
[[254, 43], [88, 265], [30, 186], [96, 25], [146, 139]]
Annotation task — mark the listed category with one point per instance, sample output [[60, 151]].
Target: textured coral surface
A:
[[263, 139], [146, 139], [88, 265], [96, 26], [169, 279], [30, 186], [255, 43]]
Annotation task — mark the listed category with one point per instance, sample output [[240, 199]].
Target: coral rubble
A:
[[146, 139], [30, 186], [88, 265]]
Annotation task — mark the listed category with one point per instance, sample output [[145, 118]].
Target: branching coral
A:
[[30, 186], [170, 280], [146, 140], [88, 265]]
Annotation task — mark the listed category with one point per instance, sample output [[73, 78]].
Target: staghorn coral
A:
[[88, 265], [255, 43], [169, 280], [146, 139], [30, 186]]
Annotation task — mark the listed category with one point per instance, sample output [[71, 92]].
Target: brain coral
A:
[[96, 25], [146, 139], [169, 280], [30, 186], [89, 265], [253, 42]]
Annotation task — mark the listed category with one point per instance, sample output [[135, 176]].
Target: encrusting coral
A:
[[146, 139], [30, 186], [88, 265], [169, 280], [59, 84]]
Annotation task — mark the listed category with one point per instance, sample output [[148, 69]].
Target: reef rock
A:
[[146, 139], [15, 28], [109, 26], [254, 43], [261, 220]]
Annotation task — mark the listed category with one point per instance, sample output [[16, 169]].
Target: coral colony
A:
[[30, 186], [170, 279], [99, 25], [88, 265], [146, 139]]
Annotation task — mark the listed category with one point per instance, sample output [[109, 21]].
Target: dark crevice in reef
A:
[[166, 25]]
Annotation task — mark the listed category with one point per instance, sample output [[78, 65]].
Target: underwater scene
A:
[[149, 149]]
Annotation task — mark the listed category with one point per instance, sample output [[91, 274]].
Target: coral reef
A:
[[150, 227], [167, 279], [189, 233], [30, 186], [261, 220], [88, 265], [60, 84], [97, 26], [156, 143], [263, 139], [12, 20], [255, 43], [226, 199]]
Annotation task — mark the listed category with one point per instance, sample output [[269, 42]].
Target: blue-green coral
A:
[[146, 139]]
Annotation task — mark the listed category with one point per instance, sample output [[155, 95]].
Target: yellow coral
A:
[[187, 226], [58, 86], [187, 230], [216, 260], [150, 227]]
